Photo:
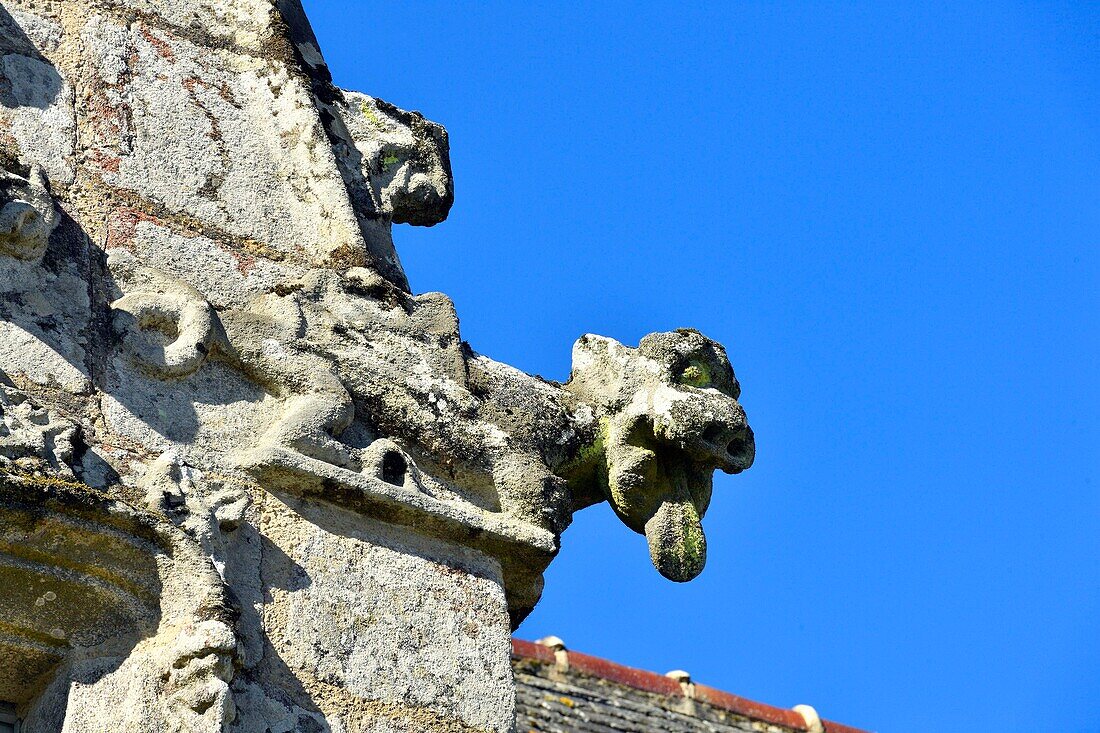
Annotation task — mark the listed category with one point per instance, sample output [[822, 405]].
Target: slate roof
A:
[[560, 691]]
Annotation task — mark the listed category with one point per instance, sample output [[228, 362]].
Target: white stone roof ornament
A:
[[813, 720]]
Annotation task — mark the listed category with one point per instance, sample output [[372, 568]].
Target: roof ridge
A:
[[553, 651]]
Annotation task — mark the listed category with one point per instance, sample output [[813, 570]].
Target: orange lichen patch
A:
[[105, 162], [43, 481], [122, 228], [345, 257], [254, 250], [163, 49]]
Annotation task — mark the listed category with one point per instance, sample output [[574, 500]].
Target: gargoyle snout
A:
[[732, 448], [424, 200], [713, 430]]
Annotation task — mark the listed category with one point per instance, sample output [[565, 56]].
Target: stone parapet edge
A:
[[659, 684]]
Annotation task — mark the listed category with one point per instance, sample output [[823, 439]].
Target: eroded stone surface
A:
[[385, 615], [214, 370]]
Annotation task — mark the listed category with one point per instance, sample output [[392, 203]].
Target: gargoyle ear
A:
[[597, 364], [590, 350]]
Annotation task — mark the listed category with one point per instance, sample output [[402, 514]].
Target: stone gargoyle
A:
[[383, 403], [249, 481]]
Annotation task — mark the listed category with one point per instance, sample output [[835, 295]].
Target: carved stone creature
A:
[[463, 438], [641, 428], [201, 665], [27, 214], [344, 502], [396, 167], [668, 416], [403, 157]]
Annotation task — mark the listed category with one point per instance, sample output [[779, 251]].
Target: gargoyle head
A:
[[668, 416], [406, 159], [27, 214]]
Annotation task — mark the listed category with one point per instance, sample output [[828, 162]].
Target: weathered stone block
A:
[[384, 615], [223, 140]]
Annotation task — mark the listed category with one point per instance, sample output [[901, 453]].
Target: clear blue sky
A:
[[890, 215]]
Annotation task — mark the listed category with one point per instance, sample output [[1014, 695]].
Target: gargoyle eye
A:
[[695, 375]]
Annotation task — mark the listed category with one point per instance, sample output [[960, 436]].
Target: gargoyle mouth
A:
[[677, 544], [661, 491]]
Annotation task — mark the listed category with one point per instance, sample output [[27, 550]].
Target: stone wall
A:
[[249, 479]]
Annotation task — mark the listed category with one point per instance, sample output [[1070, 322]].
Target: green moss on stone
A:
[[696, 374], [369, 113]]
